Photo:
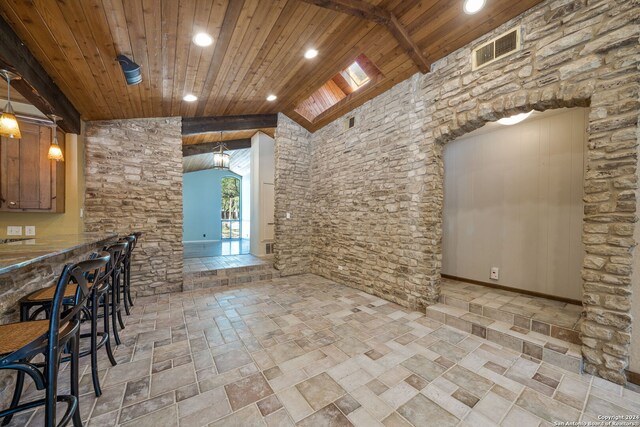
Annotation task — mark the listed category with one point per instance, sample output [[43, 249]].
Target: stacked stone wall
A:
[[134, 183]]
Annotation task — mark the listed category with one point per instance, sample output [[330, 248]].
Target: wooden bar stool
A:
[[127, 282], [32, 305], [21, 342], [118, 252]]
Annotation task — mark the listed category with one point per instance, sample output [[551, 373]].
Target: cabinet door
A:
[[27, 174], [35, 168]]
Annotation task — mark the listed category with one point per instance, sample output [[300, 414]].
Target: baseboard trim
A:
[[520, 291], [633, 377]]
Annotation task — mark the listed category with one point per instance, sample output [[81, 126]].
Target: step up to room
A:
[[543, 329], [229, 276]]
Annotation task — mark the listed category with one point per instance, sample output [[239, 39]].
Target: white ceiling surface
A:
[[239, 162]]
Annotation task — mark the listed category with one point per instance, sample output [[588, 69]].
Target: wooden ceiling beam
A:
[[194, 125], [35, 84], [364, 10], [210, 147]]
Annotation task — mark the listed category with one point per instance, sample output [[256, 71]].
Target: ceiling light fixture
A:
[[271, 98], [311, 53], [473, 6], [509, 121], [55, 152], [203, 39], [220, 158], [131, 70], [190, 97], [8, 121]]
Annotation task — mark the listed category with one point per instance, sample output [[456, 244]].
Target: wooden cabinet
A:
[[29, 182]]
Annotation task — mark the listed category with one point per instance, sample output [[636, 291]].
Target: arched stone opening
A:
[[608, 220]]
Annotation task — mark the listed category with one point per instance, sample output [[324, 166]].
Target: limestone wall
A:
[[376, 189], [134, 183]]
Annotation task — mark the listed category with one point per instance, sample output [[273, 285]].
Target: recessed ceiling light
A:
[[508, 121], [203, 39], [473, 6], [271, 98], [311, 53], [190, 97]]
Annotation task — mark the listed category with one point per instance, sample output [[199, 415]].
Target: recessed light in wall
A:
[[473, 6], [271, 98], [311, 53], [190, 97], [508, 121], [203, 39]]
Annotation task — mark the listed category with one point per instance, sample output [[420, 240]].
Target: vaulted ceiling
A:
[[258, 50]]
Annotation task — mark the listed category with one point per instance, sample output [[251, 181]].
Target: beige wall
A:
[[69, 222], [513, 200]]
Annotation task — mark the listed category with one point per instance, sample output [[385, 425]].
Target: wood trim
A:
[[357, 8], [35, 85], [364, 10], [633, 377], [210, 147], [193, 125], [517, 290]]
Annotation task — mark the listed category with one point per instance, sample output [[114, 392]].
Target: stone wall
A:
[[293, 196], [134, 183], [377, 188]]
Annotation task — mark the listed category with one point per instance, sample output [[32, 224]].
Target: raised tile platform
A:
[[543, 329], [228, 271]]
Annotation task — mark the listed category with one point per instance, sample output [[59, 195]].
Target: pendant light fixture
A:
[[55, 152], [8, 121], [220, 158]]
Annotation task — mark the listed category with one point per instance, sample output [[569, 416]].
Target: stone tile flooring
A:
[[194, 265], [540, 310], [305, 351], [217, 248]]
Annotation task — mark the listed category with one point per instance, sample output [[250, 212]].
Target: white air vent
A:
[[495, 49]]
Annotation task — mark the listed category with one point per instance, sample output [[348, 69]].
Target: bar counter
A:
[[28, 264]]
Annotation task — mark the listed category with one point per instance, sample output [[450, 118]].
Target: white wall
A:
[[262, 197], [513, 200], [246, 206]]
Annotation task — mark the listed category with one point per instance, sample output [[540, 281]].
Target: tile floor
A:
[[194, 265], [305, 351], [217, 248], [541, 310]]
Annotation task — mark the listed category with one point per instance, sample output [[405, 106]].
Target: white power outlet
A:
[[288, 215], [495, 273], [30, 230], [14, 230]]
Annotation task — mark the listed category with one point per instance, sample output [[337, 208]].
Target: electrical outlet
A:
[[30, 230], [14, 230], [495, 273], [288, 215]]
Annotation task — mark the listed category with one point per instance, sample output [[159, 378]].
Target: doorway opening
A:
[[512, 247]]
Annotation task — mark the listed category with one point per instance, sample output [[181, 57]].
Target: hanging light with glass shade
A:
[[55, 152], [8, 121], [220, 158]]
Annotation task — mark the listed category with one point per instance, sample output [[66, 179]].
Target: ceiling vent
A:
[[495, 49]]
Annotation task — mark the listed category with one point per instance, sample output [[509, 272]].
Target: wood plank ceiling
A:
[[258, 50]]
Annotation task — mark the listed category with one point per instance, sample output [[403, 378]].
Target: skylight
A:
[[339, 88], [355, 76]]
